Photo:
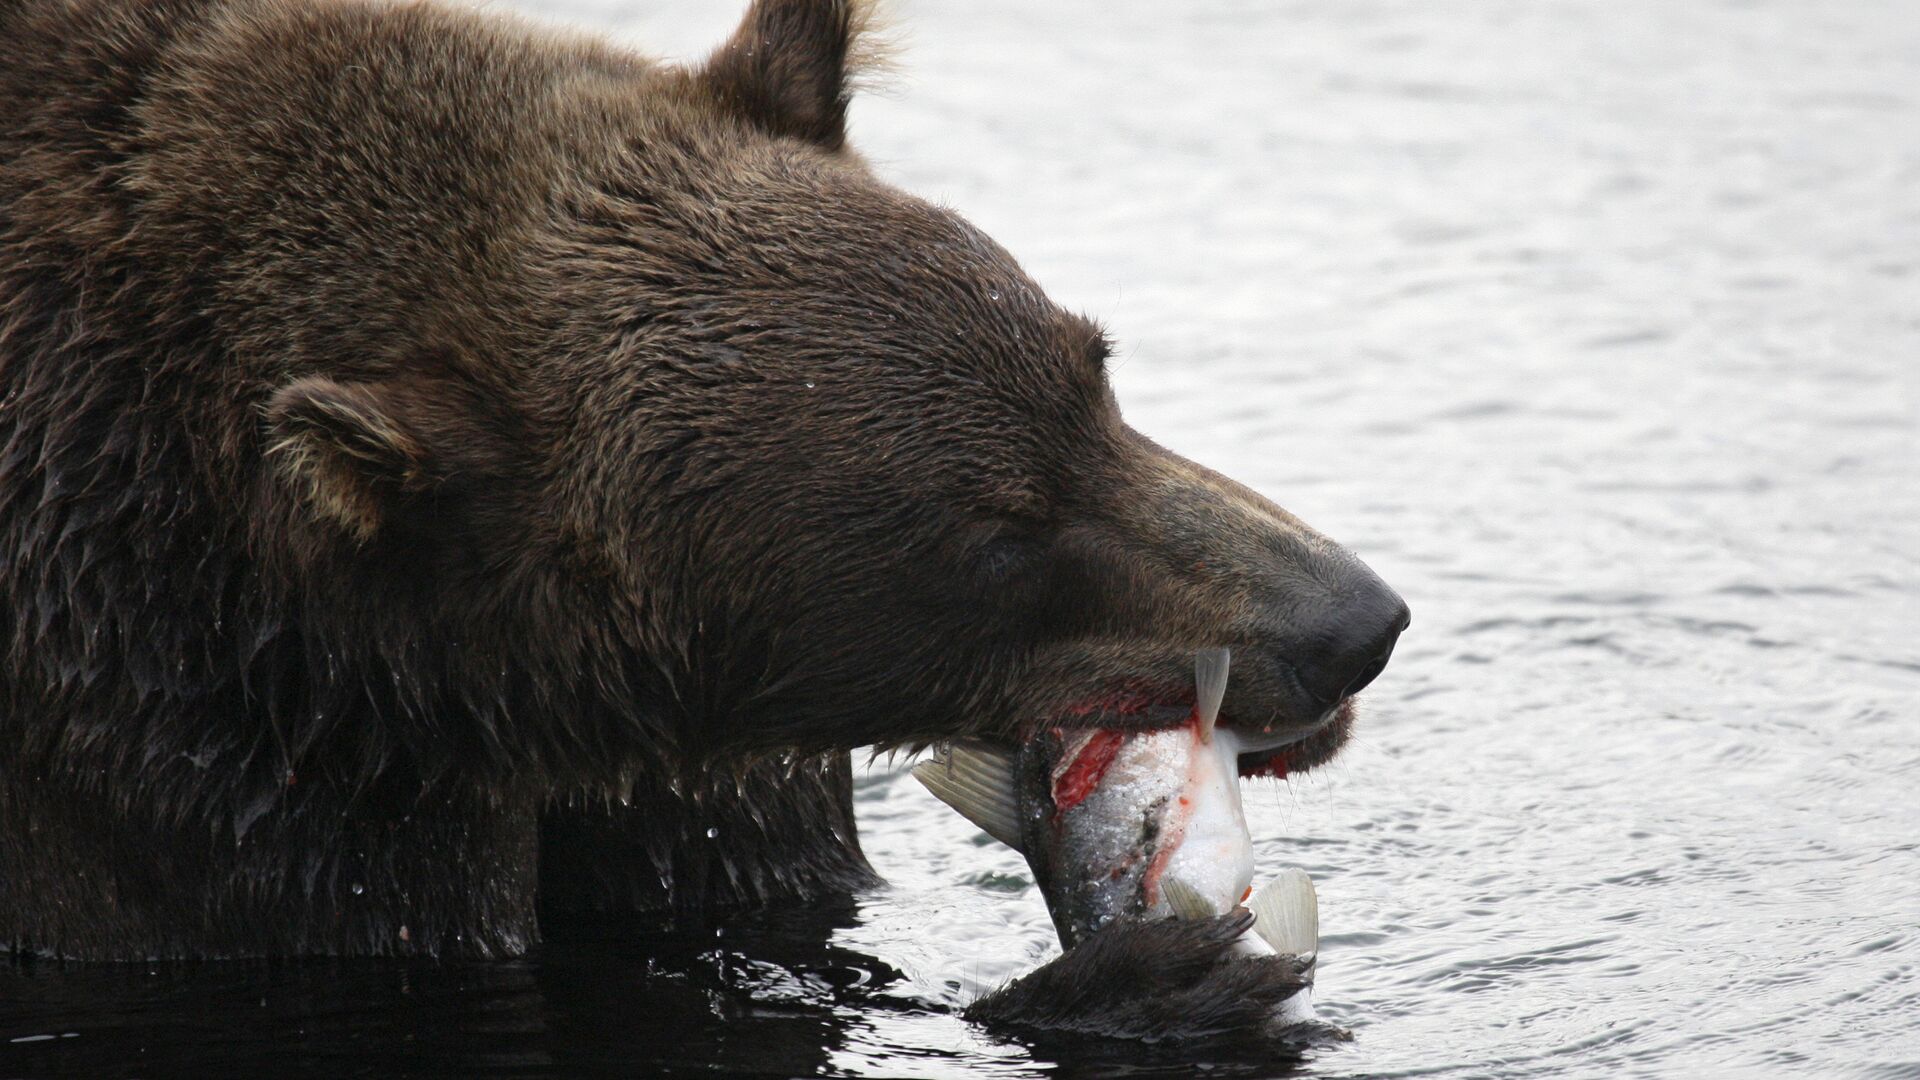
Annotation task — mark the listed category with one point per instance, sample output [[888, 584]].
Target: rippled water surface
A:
[[1594, 327]]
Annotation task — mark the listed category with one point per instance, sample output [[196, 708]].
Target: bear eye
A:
[[1004, 558]]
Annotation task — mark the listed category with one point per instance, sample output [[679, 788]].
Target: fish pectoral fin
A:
[[976, 780], [1184, 900], [1286, 914]]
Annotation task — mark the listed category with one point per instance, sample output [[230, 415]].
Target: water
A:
[[1594, 327]]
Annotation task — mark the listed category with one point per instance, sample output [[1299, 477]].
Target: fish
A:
[[1120, 824]]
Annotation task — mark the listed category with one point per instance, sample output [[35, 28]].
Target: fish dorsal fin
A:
[[976, 780], [1286, 914]]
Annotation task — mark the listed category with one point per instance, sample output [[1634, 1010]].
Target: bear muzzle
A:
[[1308, 623]]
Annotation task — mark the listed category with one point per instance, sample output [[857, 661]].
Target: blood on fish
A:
[[1078, 780]]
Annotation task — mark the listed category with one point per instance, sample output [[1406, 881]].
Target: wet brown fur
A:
[[448, 466]]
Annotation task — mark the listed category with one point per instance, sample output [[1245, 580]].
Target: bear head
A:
[[785, 459]]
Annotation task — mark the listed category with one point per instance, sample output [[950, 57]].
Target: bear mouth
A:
[[1137, 707]]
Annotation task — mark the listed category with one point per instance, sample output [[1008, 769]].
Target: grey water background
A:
[[1594, 327]]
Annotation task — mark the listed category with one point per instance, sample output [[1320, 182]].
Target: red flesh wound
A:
[[1073, 784]]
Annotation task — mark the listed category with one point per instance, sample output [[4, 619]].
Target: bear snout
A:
[[1309, 624], [1338, 640]]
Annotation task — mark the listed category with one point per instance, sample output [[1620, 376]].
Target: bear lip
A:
[[1311, 750], [1131, 705]]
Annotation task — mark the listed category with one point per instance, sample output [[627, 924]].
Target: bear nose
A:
[[1353, 644]]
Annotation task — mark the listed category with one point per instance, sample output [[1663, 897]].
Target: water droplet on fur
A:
[[713, 833], [809, 384], [358, 888]]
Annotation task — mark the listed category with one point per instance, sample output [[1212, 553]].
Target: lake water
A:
[[1594, 327]]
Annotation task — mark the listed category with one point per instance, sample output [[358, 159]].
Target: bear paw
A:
[[1167, 979]]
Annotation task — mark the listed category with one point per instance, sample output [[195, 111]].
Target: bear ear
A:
[[350, 449], [789, 69]]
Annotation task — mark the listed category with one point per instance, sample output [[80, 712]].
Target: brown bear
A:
[[455, 475]]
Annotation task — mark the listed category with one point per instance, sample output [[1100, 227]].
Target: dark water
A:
[[1594, 326]]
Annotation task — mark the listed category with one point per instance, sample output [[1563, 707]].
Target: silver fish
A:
[[1135, 824]]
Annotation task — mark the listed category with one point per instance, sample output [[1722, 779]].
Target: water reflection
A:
[[761, 993]]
